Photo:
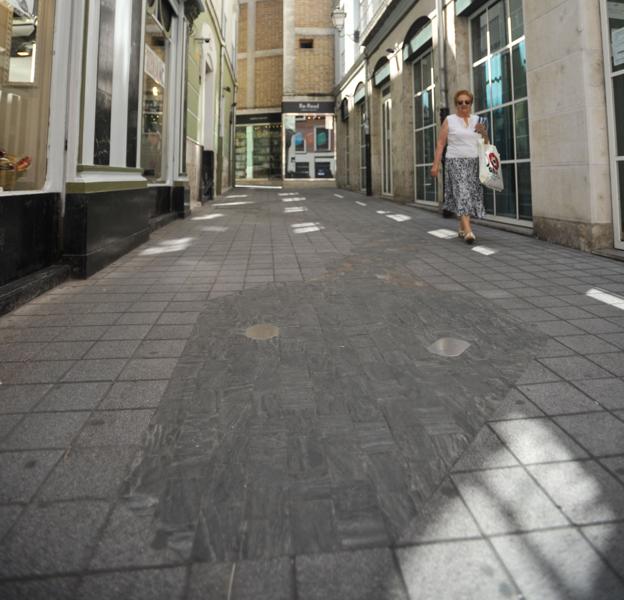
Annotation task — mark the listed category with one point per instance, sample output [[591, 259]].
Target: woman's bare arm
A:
[[442, 139]]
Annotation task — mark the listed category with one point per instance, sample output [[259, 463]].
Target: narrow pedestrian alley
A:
[[317, 395]]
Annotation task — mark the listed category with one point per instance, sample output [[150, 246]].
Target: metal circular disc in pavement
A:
[[263, 331], [449, 347]]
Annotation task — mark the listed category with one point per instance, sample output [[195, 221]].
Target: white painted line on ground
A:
[[338, 196], [360, 203], [445, 234]]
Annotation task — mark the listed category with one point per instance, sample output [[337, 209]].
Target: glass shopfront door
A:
[[613, 34]]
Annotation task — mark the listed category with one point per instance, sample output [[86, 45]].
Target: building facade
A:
[[554, 103], [94, 114], [285, 108], [211, 92]]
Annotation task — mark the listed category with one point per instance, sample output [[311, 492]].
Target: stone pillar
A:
[[568, 124]]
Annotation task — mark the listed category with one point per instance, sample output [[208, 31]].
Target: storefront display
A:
[[26, 33], [258, 151], [309, 146]]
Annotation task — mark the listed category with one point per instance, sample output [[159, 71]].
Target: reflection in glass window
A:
[[309, 146], [425, 129], [500, 88], [26, 35]]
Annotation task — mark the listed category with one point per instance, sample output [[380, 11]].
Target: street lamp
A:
[[338, 17]]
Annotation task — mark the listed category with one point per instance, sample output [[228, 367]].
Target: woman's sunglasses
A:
[[464, 102]]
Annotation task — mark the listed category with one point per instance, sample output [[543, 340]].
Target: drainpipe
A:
[[442, 59], [367, 130]]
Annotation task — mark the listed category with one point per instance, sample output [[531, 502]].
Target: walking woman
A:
[[463, 193]]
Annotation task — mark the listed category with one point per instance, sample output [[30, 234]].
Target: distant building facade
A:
[[549, 77], [285, 108]]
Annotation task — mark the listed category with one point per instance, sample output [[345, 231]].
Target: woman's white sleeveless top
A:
[[462, 139]]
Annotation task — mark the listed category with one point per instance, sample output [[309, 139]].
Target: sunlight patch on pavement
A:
[[295, 209], [297, 199], [360, 203], [607, 297], [168, 246], [288, 194], [445, 234], [239, 203], [238, 196], [215, 228], [399, 217], [207, 217], [484, 250], [338, 196], [383, 212], [307, 227]]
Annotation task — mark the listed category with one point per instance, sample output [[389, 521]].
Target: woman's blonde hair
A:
[[463, 93]]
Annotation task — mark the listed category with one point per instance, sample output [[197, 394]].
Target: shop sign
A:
[[154, 66], [617, 46], [308, 107]]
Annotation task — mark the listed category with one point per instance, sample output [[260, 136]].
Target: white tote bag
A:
[[490, 167]]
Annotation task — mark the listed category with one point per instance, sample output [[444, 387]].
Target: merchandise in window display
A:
[[12, 167]]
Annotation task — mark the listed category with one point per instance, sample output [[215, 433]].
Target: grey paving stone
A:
[[361, 575], [444, 517], [516, 406], [129, 540], [134, 394], [461, 569], [160, 349], [586, 344], [537, 373], [8, 516], [608, 540], [57, 588], [601, 433], [146, 318], [149, 584], [170, 332], [21, 473], [19, 351], [114, 428], [613, 362], [126, 332], [113, 349], [559, 397], [178, 318], [595, 325], [73, 396], [21, 398], [557, 564], [250, 580], [80, 333], [485, 452], [583, 490], [616, 465], [45, 430], [8, 423], [558, 328], [575, 367], [52, 538], [63, 350], [148, 368], [102, 369], [537, 440], [507, 500], [570, 312], [88, 473], [554, 348], [609, 392], [37, 372]]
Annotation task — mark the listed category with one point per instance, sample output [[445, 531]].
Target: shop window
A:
[[425, 129], [309, 151], [500, 89], [155, 82], [26, 39], [258, 151]]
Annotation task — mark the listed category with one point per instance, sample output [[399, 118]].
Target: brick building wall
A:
[[313, 13], [314, 67], [269, 16], [268, 78]]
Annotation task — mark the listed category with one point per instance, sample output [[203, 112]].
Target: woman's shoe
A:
[[460, 233], [470, 238]]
